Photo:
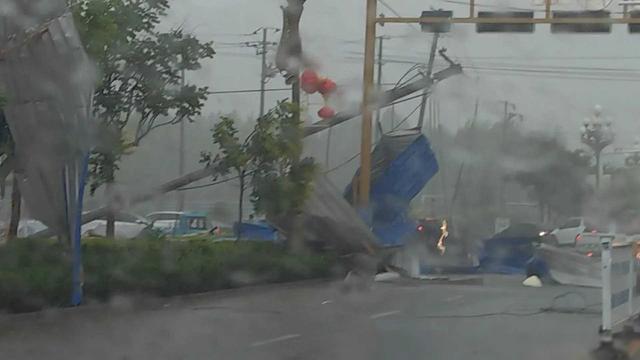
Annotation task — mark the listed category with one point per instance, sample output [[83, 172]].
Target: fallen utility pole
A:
[[385, 100]]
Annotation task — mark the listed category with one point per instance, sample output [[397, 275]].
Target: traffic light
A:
[[436, 27], [581, 27], [513, 27]]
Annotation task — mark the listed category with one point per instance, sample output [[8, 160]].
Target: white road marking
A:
[[381, 315], [326, 302], [275, 340], [454, 298]]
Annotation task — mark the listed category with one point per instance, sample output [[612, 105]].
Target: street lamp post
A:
[[597, 133]]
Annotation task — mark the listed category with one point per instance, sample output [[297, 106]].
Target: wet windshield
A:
[[322, 179]]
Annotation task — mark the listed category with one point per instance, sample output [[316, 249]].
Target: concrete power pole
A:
[[262, 50], [182, 155], [263, 75]]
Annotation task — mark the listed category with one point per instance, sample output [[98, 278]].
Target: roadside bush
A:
[[37, 273], [33, 274]]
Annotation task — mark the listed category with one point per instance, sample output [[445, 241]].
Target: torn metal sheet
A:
[[327, 218], [48, 81], [569, 267]]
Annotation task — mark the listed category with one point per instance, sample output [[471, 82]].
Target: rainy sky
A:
[[526, 69]]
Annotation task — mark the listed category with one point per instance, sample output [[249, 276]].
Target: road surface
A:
[[395, 321]]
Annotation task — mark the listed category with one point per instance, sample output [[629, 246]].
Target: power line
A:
[[554, 77], [394, 12], [343, 164], [405, 100], [245, 91], [408, 116]]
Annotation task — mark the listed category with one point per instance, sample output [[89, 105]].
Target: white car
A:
[[29, 227], [127, 226], [571, 233]]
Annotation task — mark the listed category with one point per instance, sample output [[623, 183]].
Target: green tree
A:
[[271, 159], [142, 71], [556, 176], [282, 180], [233, 156]]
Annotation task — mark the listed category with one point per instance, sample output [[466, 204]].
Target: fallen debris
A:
[[387, 276], [532, 281]]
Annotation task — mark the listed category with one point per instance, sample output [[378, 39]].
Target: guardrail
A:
[[620, 284]]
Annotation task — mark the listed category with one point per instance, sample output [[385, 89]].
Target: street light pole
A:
[[597, 134]]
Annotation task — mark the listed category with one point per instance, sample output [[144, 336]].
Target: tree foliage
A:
[[555, 175], [282, 179], [270, 158], [233, 156], [141, 71]]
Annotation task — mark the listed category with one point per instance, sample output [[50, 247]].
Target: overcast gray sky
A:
[[332, 31]]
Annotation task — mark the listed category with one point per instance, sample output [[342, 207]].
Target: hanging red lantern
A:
[[326, 112], [309, 81], [327, 86]]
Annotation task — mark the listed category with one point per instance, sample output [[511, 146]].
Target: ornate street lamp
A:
[[597, 133]]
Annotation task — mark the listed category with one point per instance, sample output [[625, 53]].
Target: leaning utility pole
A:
[[381, 40], [425, 92]]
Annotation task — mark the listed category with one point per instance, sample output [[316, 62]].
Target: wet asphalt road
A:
[[403, 320]]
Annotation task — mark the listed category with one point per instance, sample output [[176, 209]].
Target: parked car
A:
[[127, 226], [28, 227], [180, 223], [571, 232]]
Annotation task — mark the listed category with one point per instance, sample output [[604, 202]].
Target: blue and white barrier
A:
[[620, 287]]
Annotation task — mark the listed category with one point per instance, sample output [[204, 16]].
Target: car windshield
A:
[[197, 223], [319, 179], [163, 216], [571, 223]]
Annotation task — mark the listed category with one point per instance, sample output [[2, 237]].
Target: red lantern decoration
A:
[[309, 81], [326, 112], [327, 86]]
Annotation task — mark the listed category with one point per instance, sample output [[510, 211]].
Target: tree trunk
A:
[[111, 219], [241, 175], [295, 237], [16, 207]]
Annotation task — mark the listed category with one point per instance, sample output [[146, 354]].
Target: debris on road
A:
[[387, 276], [532, 281]]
